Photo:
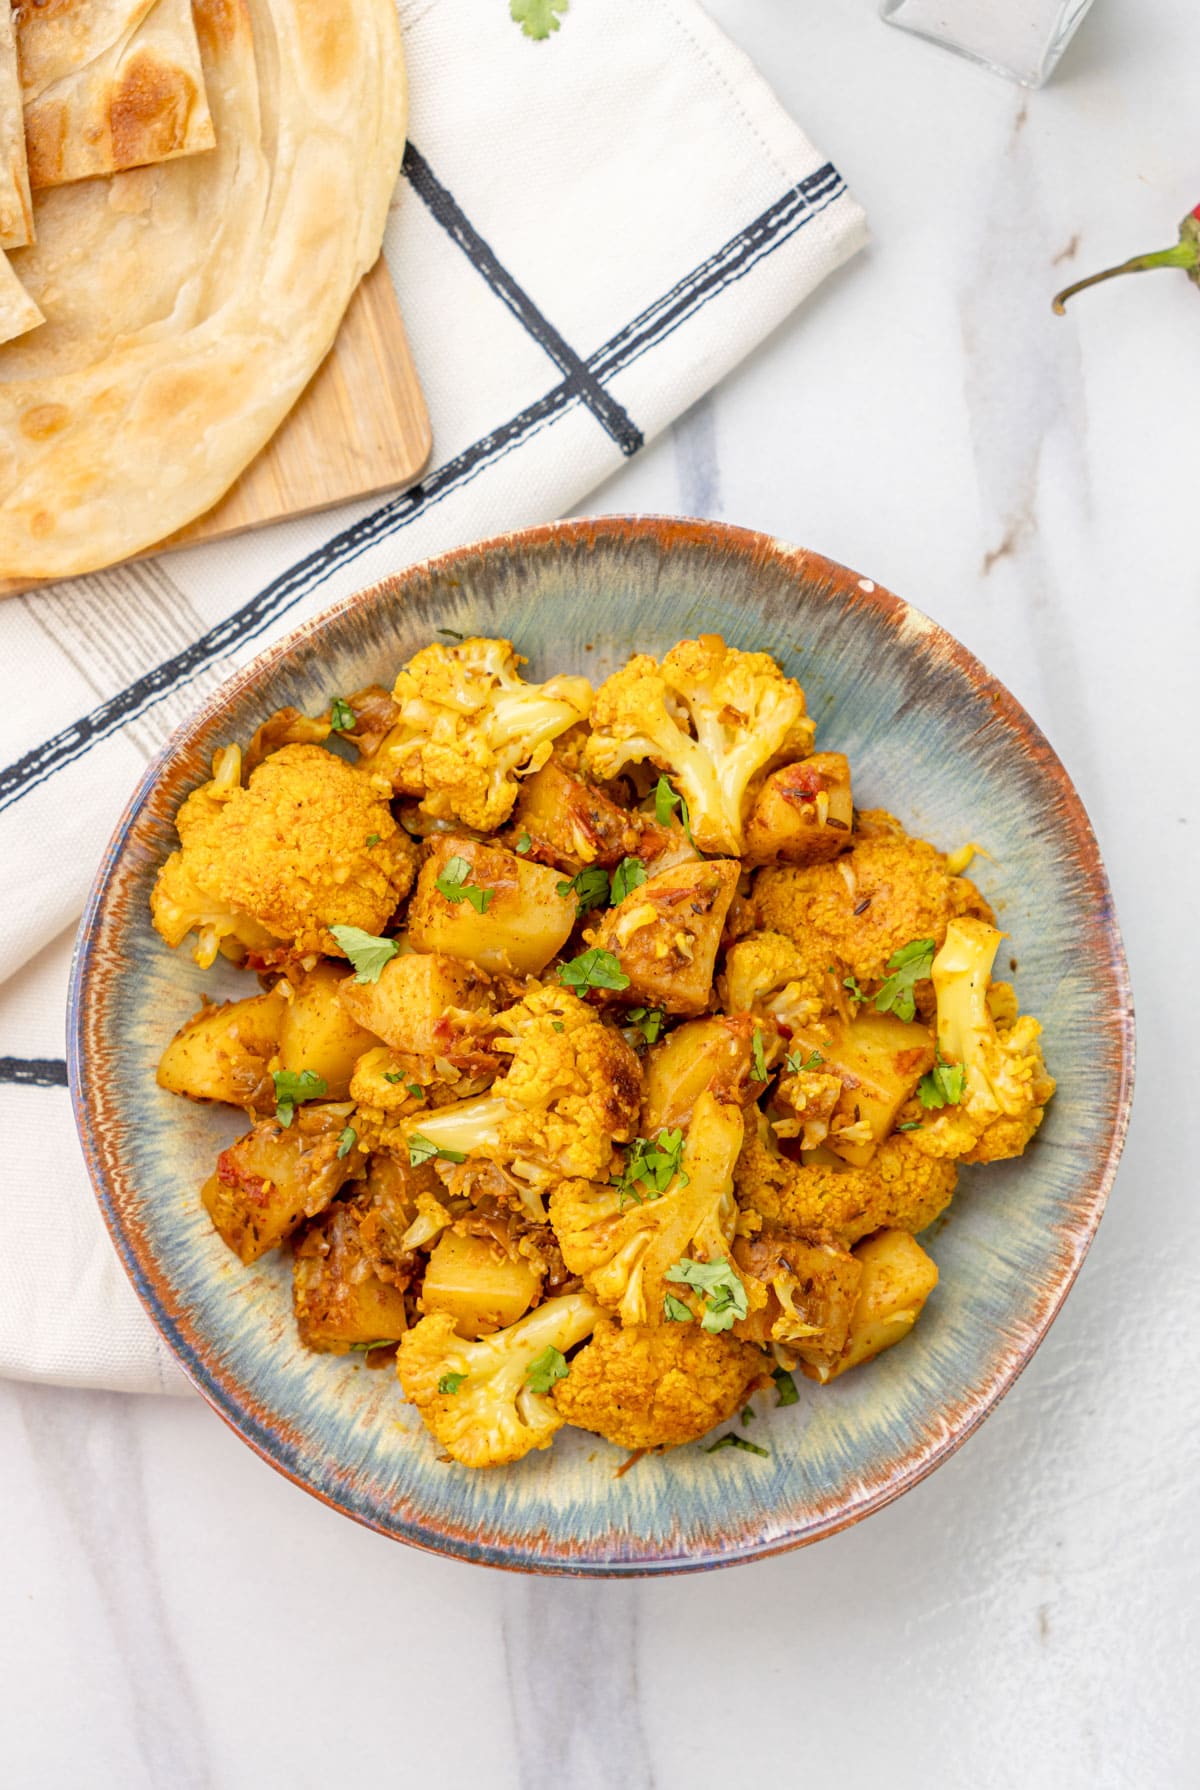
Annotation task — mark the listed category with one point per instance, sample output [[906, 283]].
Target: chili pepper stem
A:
[[1185, 253]]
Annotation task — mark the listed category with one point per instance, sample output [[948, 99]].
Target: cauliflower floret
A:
[[657, 1386], [625, 1240], [468, 727], [306, 845], [571, 1094], [784, 979], [901, 1187], [712, 718], [1006, 1086], [860, 909], [476, 1397]]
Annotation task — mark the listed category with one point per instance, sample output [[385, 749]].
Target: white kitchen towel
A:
[[590, 232]]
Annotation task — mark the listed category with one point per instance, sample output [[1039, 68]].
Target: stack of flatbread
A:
[[190, 190]]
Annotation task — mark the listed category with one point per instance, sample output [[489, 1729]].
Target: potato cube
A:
[[269, 1180], [338, 1299], [803, 813], [478, 1283], [223, 1053], [897, 1279], [524, 921], [666, 933], [879, 1060], [318, 1032], [426, 1005], [698, 1056], [571, 823]]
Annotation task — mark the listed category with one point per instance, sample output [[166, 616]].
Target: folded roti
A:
[[109, 84], [188, 304], [18, 312], [16, 213]]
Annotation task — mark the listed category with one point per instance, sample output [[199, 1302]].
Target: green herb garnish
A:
[[945, 1084], [786, 1387], [748, 1415], [456, 885], [450, 1382], [523, 843], [629, 875], [452, 633], [422, 1149], [546, 1368], [347, 1141], [291, 1087], [911, 964], [730, 1440], [341, 716], [537, 19], [851, 983], [653, 1163], [367, 953], [721, 1288], [796, 1063], [647, 1020], [665, 804], [372, 839], [758, 1060], [590, 889], [593, 969], [675, 1311], [910, 1125]]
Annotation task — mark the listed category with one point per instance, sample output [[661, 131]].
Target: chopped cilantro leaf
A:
[[945, 1084], [629, 875], [546, 1368], [452, 633], [347, 1141], [721, 1287], [786, 1386], [911, 964], [911, 1125], [523, 843], [593, 969], [450, 1382], [590, 888], [537, 19], [653, 1163], [675, 1311], [758, 1058], [341, 715], [372, 839], [421, 1149], [367, 953], [665, 804], [456, 885], [796, 1063], [291, 1087], [414, 1088], [851, 983], [647, 1020], [748, 1415], [393, 1075], [730, 1440]]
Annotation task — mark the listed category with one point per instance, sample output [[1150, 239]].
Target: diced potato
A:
[[571, 823], [879, 1060], [224, 1053], [338, 1299], [269, 1180], [665, 935], [814, 1286], [428, 1005], [318, 1032], [803, 813], [481, 1287], [897, 1279], [702, 1054], [526, 920]]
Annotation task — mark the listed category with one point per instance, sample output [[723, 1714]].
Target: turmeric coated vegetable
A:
[[618, 1078]]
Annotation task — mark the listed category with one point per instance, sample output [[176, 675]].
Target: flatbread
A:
[[16, 211], [109, 84], [18, 312], [188, 304]]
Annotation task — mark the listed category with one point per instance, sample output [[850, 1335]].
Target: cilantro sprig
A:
[[423, 1149], [796, 1063], [911, 964], [546, 1369], [629, 875], [652, 1164], [456, 885], [590, 888], [594, 968], [367, 953], [293, 1086], [720, 1287]]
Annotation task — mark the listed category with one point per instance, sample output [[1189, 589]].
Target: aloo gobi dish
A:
[[606, 1061]]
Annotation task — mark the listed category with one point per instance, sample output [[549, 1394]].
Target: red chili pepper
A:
[[1185, 254]]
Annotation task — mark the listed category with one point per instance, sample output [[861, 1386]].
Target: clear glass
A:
[[1022, 39]]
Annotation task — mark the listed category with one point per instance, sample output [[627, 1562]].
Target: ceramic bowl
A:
[[932, 737]]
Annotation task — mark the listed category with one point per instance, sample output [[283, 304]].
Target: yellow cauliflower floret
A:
[[571, 1094], [469, 726], [712, 718], [476, 1397], [785, 979], [657, 1386], [902, 1188], [886, 891], [289, 852], [1006, 1087], [624, 1243]]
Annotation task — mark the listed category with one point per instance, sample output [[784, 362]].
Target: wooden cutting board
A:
[[360, 428]]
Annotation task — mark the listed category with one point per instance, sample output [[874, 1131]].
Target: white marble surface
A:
[[173, 1614]]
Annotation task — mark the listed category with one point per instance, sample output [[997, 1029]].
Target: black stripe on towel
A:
[[34, 1072]]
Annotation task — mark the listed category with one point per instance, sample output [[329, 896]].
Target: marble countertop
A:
[[172, 1614]]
